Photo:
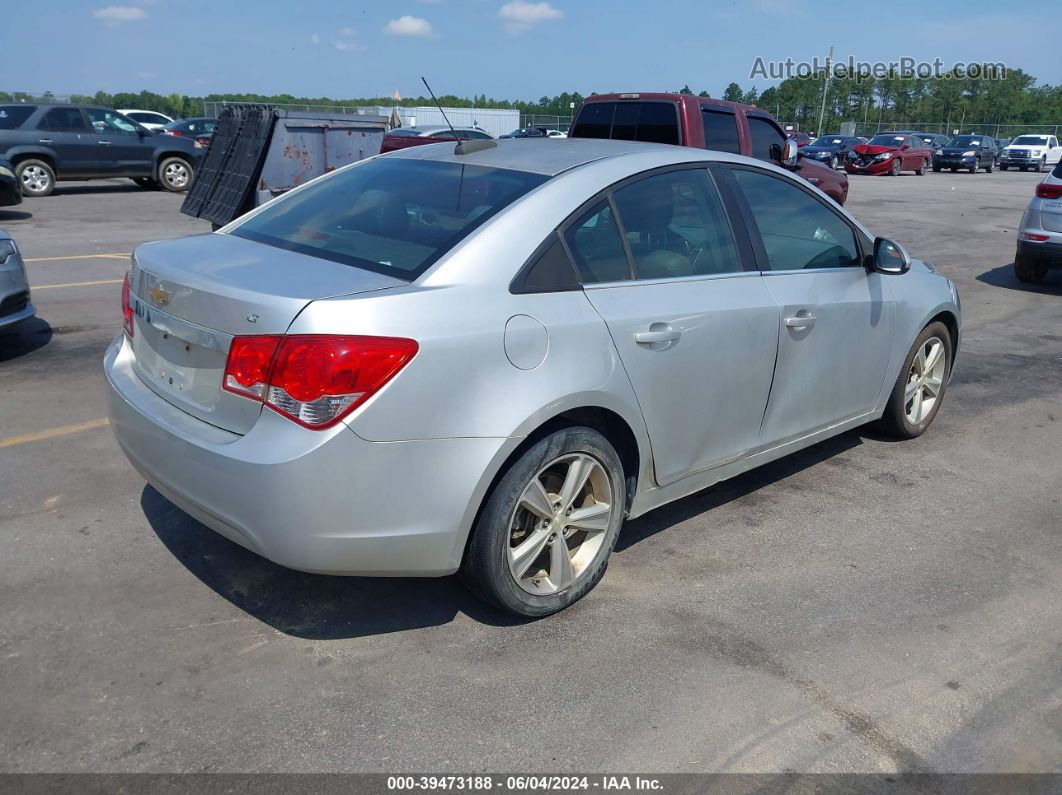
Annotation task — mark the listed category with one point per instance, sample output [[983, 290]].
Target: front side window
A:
[[676, 226], [107, 122], [63, 120], [764, 135], [395, 217], [798, 231], [720, 131], [596, 246]]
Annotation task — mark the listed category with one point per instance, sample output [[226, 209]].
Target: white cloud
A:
[[315, 39], [116, 15], [347, 31], [408, 26], [519, 15]]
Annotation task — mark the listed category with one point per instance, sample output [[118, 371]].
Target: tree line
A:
[[946, 102]]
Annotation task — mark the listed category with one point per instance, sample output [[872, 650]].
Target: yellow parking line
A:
[[77, 284], [77, 256], [26, 438]]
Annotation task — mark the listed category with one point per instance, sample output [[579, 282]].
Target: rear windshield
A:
[[391, 215], [12, 116], [655, 122]]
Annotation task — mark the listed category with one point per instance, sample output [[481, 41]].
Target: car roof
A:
[[546, 156]]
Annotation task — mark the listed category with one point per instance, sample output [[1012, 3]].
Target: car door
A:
[[691, 319], [124, 150], [835, 323], [64, 130]]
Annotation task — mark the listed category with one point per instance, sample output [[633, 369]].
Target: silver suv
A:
[[1040, 233]]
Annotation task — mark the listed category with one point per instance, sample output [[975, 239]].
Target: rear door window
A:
[[763, 133], [64, 120], [12, 116], [720, 131]]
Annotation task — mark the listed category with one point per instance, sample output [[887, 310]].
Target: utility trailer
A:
[[258, 152]]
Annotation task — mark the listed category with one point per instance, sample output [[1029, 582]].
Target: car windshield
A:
[[965, 140], [391, 216], [886, 139], [12, 116], [1031, 140], [402, 132], [173, 125], [827, 140]]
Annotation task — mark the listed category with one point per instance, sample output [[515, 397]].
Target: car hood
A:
[[867, 149], [958, 150], [814, 150]]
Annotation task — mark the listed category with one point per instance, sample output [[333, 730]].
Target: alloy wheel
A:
[[35, 179], [925, 381], [559, 524], [176, 174]]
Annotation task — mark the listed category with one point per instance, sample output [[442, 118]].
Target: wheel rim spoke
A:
[[524, 555], [594, 517], [560, 564], [933, 357], [911, 389], [578, 473], [535, 500]]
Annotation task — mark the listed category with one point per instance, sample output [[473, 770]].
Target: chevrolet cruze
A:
[[483, 359]]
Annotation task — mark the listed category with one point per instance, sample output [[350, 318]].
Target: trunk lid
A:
[[193, 295]]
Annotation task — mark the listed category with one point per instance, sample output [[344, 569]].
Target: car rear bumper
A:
[[320, 501], [1048, 252]]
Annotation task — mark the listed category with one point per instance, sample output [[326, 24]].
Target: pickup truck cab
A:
[[1031, 151], [688, 120], [47, 143]]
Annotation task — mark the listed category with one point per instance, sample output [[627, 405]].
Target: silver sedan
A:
[[485, 358], [15, 303]]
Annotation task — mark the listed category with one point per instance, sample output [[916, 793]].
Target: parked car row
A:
[[50, 143]]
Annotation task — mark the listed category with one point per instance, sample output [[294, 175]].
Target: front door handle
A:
[[657, 333], [806, 320], [104, 143], [44, 141]]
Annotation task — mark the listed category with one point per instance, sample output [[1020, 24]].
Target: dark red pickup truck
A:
[[689, 120]]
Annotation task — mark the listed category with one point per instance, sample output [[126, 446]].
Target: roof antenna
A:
[[463, 147]]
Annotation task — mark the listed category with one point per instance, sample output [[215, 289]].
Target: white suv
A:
[[1030, 151]]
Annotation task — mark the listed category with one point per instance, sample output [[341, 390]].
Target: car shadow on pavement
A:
[[14, 215], [637, 530], [100, 187], [1003, 276], [310, 606], [25, 337]]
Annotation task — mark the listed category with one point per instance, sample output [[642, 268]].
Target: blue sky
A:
[[517, 49]]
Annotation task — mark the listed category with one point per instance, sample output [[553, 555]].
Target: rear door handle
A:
[[44, 141], [805, 320], [104, 143], [657, 333]]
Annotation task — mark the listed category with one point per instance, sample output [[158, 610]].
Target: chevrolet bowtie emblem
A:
[[159, 296]]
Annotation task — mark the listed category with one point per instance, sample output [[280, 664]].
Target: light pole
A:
[[825, 90]]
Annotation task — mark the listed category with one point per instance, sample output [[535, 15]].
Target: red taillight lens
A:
[[1033, 237], [127, 308], [1047, 190], [171, 132], [247, 370], [314, 380]]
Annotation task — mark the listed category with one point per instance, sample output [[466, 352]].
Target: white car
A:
[[1031, 151], [151, 119]]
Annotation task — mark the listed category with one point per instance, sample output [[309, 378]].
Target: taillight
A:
[[127, 309], [171, 132], [314, 380], [1034, 237], [1046, 190]]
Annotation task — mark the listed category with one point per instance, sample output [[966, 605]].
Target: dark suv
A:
[[47, 143]]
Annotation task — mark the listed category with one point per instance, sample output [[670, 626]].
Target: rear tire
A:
[[516, 555], [146, 182], [176, 174], [1003, 167], [1028, 270], [35, 177], [921, 379], [923, 168], [989, 167]]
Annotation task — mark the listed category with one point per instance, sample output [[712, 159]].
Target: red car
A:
[[890, 153], [688, 120], [405, 137]]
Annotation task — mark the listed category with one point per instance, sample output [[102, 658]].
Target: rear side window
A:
[[763, 134], [654, 122], [60, 119], [595, 243], [675, 226], [391, 216], [12, 116], [552, 271], [720, 131]]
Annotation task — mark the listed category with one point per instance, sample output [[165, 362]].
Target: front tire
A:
[[989, 167], [35, 177], [544, 536], [176, 174], [919, 389], [894, 169]]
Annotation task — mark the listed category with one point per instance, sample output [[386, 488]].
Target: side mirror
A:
[[890, 258], [790, 153]]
